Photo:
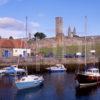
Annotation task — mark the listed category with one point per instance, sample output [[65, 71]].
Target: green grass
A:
[[59, 51]]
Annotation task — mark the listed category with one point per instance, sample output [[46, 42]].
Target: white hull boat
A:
[[2, 72], [12, 70], [57, 68], [28, 81]]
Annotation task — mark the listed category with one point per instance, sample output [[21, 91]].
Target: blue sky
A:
[[41, 16]]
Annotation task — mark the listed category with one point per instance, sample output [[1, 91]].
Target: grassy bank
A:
[[59, 51]]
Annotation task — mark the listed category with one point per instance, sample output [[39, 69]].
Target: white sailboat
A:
[[28, 81]]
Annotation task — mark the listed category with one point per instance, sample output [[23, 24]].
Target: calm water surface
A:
[[57, 86]]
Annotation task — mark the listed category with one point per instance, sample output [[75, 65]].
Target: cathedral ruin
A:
[[60, 39]]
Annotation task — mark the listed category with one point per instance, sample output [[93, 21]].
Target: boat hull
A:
[[83, 80], [26, 85], [28, 81], [56, 70]]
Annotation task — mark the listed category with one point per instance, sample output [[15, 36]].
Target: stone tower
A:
[[69, 31], [74, 31], [59, 30], [59, 25]]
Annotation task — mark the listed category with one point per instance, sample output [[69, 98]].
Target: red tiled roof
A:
[[12, 43]]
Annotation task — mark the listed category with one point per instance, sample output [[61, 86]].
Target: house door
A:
[[6, 53], [24, 53]]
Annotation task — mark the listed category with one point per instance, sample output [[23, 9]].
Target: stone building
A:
[[71, 33], [59, 31], [60, 40]]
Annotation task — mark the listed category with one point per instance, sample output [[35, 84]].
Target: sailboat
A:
[[11, 70], [28, 81], [90, 76]]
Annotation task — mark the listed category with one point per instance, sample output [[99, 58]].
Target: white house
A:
[[14, 47], [21, 52]]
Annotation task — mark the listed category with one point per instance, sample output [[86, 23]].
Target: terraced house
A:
[[13, 47]]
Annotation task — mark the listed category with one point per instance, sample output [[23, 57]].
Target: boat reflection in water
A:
[[7, 91], [88, 93], [28, 93], [57, 86]]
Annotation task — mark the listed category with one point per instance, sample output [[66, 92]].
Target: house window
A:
[[15, 50]]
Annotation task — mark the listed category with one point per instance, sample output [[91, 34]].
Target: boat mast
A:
[[85, 28], [26, 28], [26, 45]]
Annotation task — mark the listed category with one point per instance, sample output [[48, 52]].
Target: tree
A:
[[10, 37], [39, 35]]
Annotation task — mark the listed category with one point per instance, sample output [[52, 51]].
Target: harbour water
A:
[[57, 86]]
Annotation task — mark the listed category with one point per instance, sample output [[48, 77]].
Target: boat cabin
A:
[[93, 71], [60, 65]]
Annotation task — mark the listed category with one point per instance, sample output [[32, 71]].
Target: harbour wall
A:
[[39, 65]]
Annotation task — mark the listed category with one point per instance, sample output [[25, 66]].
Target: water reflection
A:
[[60, 86], [57, 86], [28, 94], [57, 83], [7, 92], [89, 93], [53, 89], [86, 91]]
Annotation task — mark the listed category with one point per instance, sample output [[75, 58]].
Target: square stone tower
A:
[[59, 30]]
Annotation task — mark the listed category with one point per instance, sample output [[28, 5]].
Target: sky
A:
[[41, 17]]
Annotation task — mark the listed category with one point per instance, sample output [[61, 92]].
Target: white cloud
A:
[[7, 33], [34, 24], [16, 28], [11, 23]]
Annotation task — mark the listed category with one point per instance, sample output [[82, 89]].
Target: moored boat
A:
[[12, 70], [57, 68], [91, 76], [28, 81], [2, 72], [88, 78]]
